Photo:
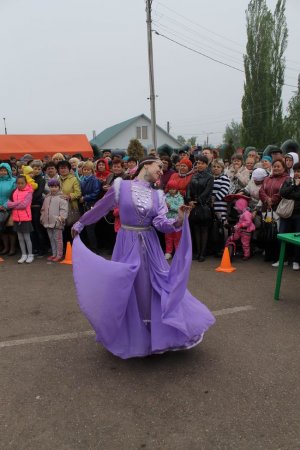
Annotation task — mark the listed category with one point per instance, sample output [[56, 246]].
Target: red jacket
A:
[[182, 182], [21, 204], [271, 189]]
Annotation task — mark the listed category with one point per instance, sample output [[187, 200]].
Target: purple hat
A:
[[53, 182]]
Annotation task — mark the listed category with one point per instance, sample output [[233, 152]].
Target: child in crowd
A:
[[21, 214], [27, 171], [54, 213], [244, 227], [174, 200]]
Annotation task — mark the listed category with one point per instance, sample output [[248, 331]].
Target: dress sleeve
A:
[[100, 209], [161, 222]]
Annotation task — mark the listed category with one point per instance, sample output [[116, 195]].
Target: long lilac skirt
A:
[[137, 303]]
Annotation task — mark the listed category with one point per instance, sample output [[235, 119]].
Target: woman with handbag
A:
[[70, 188], [270, 196], [291, 191], [198, 196]]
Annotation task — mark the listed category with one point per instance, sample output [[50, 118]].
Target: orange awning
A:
[[40, 145]]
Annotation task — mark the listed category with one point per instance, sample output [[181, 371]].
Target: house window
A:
[[142, 132], [145, 132]]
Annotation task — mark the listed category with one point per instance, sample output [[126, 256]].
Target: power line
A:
[[196, 51], [207, 56], [214, 33]]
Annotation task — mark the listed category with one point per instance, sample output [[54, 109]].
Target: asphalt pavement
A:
[[238, 389]]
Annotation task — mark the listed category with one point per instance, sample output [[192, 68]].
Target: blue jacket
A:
[[173, 202], [90, 188], [7, 185]]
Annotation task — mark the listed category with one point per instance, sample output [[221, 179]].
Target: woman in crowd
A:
[[270, 196], [183, 177], [70, 188], [290, 160], [167, 171], [58, 157], [102, 170], [237, 173], [266, 163], [149, 309], [90, 189], [7, 234], [198, 195], [291, 191], [220, 189]]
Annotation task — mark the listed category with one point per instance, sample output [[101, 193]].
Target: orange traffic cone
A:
[[225, 263], [68, 256]]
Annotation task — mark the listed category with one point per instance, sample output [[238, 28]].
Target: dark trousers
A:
[[291, 225], [38, 236]]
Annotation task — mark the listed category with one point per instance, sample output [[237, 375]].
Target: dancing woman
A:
[[137, 303]]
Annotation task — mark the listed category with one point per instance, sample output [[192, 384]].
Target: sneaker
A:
[[50, 258], [29, 259], [22, 259], [168, 256], [277, 264], [56, 259], [296, 266]]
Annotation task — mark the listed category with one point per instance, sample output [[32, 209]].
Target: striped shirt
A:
[[220, 190]]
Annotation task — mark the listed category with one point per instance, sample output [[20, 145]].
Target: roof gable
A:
[[109, 133]]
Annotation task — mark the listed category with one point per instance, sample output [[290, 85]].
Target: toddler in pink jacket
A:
[[243, 229]]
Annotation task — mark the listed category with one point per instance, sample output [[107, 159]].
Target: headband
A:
[[148, 161]]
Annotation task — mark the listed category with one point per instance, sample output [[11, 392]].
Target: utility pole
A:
[[5, 129], [168, 127], [151, 71]]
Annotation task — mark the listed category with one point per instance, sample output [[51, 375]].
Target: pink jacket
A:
[[21, 204], [246, 222]]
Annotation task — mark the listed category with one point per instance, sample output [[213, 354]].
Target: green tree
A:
[[292, 120], [264, 71], [181, 140], [233, 134], [135, 149], [279, 41], [191, 141]]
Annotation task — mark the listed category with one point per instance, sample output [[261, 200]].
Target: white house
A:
[[139, 127]]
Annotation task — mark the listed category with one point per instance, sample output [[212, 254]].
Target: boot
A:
[[5, 241], [12, 244]]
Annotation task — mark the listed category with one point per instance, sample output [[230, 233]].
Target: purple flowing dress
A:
[[137, 303]]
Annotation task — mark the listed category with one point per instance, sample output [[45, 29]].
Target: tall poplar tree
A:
[[264, 74], [292, 121]]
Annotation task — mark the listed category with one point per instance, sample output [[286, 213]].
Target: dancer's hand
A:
[[183, 209], [74, 233]]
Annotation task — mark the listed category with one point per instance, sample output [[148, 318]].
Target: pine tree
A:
[[135, 149]]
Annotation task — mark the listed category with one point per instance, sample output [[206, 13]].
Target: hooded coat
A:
[[7, 184], [54, 206], [295, 158]]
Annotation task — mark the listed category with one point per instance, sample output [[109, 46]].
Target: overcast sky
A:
[[73, 66]]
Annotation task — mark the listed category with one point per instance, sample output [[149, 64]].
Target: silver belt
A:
[[131, 228]]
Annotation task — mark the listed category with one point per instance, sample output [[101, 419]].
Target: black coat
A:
[[200, 187], [291, 191]]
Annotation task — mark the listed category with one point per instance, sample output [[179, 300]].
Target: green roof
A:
[[101, 139], [111, 132]]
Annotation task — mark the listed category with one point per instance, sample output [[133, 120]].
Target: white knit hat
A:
[[259, 174]]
